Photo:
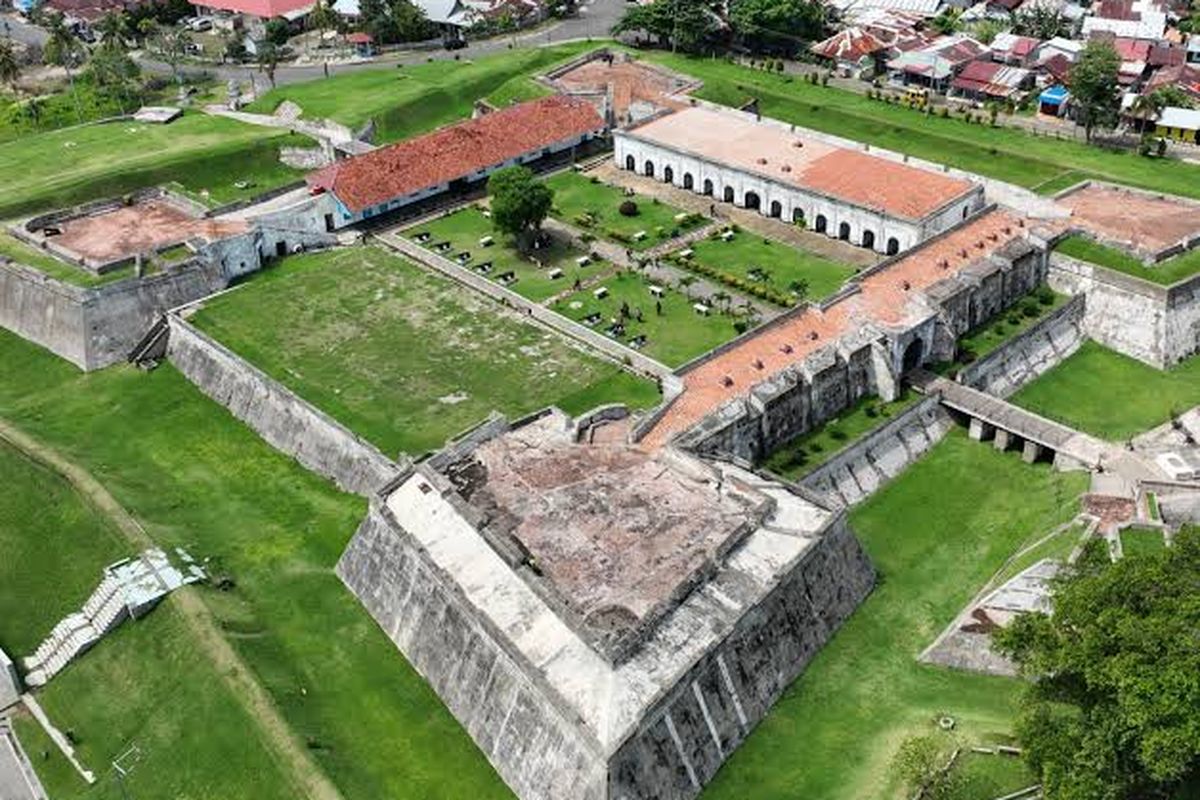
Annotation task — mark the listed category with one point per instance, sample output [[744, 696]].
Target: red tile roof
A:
[[456, 151], [266, 9], [852, 45]]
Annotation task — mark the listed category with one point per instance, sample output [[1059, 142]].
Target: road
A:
[[13, 27]]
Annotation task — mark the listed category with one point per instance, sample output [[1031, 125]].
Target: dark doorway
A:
[[687, 180], [728, 194], [844, 231], [776, 209], [893, 246], [797, 215], [329, 223], [649, 169], [708, 188], [281, 248], [668, 175], [912, 355], [630, 164], [750, 200], [868, 239], [821, 223]]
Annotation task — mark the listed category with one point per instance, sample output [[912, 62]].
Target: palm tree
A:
[[268, 59], [113, 28], [10, 66], [147, 29], [173, 45], [322, 18], [62, 49]]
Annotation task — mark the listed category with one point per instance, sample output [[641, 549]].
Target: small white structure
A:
[[702, 309], [639, 236], [686, 253], [1181, 466], [157, 115], [583, 261], [555, 274], [600, 293], [487, 241], [656, 291]]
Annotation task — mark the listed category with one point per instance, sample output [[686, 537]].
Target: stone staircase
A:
[[128, 589]]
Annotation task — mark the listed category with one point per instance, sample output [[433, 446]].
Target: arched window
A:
[[649, 168], [750, 200], [630, 164], [844, 231], [912, 355], [728, 194], [822, 223], [893, 246], [668, 175], [797, 215], [708, 187], [776, 209], [688, 183], [868, 239]]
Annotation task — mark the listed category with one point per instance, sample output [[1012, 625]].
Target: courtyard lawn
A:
[[414, 99], [30, 256], [779, 266], [1112, 396], [675, 337], [1166, 272], [55, 546], [1141, 541], [465, 228], [1022, 316], [405, 358], [936, 534], [593, 206], [1003, 153], [804, 454], [202, 153], [196, 477]]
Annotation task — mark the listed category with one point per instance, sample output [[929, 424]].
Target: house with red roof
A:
[[983, 81], [456, 157], [1014, 50]]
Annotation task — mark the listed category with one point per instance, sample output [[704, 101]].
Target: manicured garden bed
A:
[[595, 207]]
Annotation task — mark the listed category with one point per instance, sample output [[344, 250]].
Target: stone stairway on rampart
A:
[[128, 589]]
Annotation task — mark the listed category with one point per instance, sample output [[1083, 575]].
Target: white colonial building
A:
[[766, 165]]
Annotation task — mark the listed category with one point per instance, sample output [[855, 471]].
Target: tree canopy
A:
[[1094, 87], [1113, 709], [520, 202], [684, 24], [782, 23]]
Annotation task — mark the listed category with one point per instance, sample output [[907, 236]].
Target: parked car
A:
[[201, 24]]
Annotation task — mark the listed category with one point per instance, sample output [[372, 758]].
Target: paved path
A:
[[17, 778], [294, 760]]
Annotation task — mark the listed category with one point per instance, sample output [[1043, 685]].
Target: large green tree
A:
[[520, 202], [684, 24], [787, 24], [10, 65], [1113, 708], [1095, 92]]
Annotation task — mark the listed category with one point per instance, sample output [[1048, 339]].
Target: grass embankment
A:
[[676, 335], [1141, 541], [1022, 316], [30, 256], [801, 456], [405, 358], [464, 229], [935, 535], [414, 99], [780, 267], [1109, 395], [1166, 272], [1008, 154], [592, 206], [196, 477], [202, 153]]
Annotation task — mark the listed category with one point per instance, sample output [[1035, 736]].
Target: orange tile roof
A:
[[770, 150], [455, 151], [887, 297]]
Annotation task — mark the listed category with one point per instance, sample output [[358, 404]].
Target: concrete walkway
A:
[[18, 781]]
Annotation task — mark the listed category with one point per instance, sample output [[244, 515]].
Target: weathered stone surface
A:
[[283, 419], [10, 684]]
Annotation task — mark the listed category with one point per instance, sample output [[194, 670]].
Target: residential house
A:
[[988, 81], [935, 65], [1185, 76], [1193, 49], [1058, 46], [1130, 19], [1180, 124], [1054, 101], [1014, 50]]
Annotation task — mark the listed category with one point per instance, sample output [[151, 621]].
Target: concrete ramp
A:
[[1007, 425]]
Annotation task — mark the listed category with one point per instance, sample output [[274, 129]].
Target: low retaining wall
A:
[[1157, 324], [1026, 356], [287, 422], [855, 473]]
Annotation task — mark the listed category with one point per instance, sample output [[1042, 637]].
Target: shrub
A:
[[1045, 295], [628, 208]]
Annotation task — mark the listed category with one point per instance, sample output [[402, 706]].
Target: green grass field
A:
[[1141, 541], [405, 358], [759, 260], [577, 198], [1165, 272], [935, 535], [1109, 395], [196, 477], [55, 546], [1023, 315], [30, 256], [465, 228], [802, 455], [676, 336], [1004, 153], [202, 153], [414, 99]]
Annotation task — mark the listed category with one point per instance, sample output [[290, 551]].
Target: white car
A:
[[201, 24]]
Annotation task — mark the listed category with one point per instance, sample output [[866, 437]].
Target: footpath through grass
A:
[[1110, 395], [1166, 272], [196, 477], [202, 153], [409, 100], [405, 358], [935, 535], [1004, 153]]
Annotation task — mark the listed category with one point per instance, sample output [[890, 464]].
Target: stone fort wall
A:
[[1157, 324], [522, 726], [287, 422]]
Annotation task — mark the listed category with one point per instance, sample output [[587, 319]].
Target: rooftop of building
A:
[[768, 148], [991, 78], [631, 83], [265, 9], [890, 296], [455, 151], [1142, 221]]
